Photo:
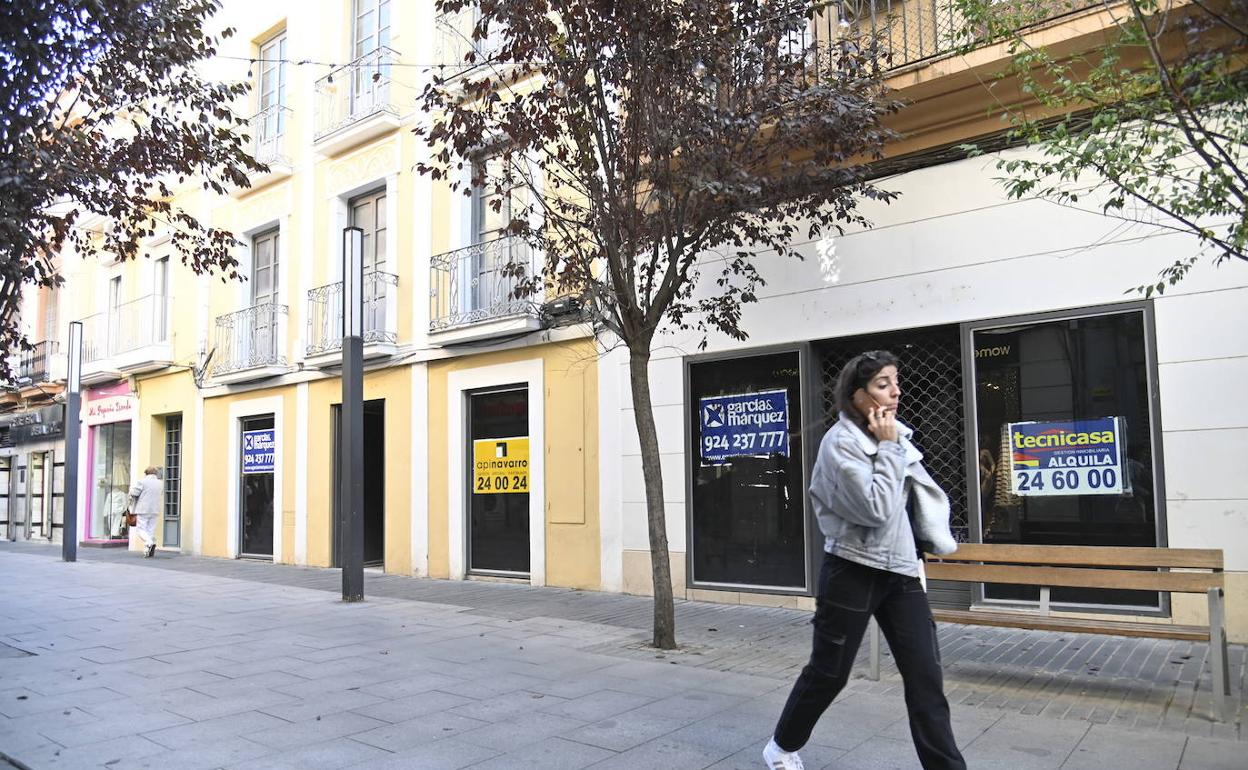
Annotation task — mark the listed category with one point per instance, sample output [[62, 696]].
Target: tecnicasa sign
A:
[[259, 450], [1077, 457], [500, 465], [749, 424]]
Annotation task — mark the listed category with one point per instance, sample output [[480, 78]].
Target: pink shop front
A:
[[108, 429]]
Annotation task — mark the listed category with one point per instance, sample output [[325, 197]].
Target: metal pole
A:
[[351, 434], [73, 406]]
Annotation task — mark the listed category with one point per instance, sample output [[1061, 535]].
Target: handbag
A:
[[131, 519]]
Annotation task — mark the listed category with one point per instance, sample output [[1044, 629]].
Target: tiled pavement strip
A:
[[183, 662]]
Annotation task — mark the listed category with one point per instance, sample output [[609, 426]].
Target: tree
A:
[[660, 148], [1149, 126], [104, 111]]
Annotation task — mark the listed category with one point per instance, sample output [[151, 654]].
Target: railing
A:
[[453, 42], [34, 364], [354, 92], [268, 135], [129, 326], [250, 338], [912, 31], [325, 313], [478, 283]]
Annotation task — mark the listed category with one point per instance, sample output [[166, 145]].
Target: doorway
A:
[[255, 505], [173, 482], [498, 482], [374, 483]]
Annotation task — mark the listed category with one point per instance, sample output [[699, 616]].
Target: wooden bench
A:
[[1053, 566]]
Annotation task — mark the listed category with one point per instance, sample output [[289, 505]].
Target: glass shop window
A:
[[1064, 436], [745, 465]]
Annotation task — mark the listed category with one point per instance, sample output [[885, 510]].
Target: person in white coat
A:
[[145, 498]]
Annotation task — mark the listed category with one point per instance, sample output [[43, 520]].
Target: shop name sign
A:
[[749, 424], [259, 450], [1077, 457], [500, 466], [111, 409]]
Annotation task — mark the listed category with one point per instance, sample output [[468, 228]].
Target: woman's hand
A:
[[882, 423]]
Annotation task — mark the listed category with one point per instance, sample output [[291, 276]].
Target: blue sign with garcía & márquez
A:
[[748, 424], [259, 450]]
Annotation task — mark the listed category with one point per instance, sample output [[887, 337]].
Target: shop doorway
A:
[[931, 403], [18, 502], [255, 490], [6, 494], [374, 483], [498, 482], [40, 496]]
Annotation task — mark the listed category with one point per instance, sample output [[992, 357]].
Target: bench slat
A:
[[1073, 577], [1072, 625], [1088, 555]]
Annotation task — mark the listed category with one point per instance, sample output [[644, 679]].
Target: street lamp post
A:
[[351, 434], [73, 405]]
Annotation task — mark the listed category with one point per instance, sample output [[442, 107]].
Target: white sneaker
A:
[[779, 759]]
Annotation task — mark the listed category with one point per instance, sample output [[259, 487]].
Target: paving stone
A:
[[415, 732], [447, 754], [1023, 743], [328, 755], [548, 754], [1212, 754], [623, 731], [1113, 748], [321, 728]]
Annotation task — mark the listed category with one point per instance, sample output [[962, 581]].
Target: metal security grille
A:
[[173, 480], [931, 403]]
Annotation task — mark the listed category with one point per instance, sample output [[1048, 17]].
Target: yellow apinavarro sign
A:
[[500, 466]]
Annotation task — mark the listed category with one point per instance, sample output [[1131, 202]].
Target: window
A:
[[368, 212], [372, 26], [747, 486], [161, 298], [1055, 372], [264, 288], [272, 90], [114, 314], [495, 204]]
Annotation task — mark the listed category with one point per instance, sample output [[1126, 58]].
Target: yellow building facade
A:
[[232, 387]]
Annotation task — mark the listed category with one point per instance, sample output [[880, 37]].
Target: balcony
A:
[[39, 365], [132, 338], [911, 31], [472, 292], [250, 344], [380, 320], [268, 145], [453, 43], [354, 104]]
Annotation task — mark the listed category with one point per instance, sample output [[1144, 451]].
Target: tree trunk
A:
[[652, 472]]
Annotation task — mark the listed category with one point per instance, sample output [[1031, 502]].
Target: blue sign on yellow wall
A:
[[749, 424]]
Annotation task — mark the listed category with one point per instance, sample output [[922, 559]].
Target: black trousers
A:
[[849, 594]]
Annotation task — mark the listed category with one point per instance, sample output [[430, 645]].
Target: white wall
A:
[[953, 249]]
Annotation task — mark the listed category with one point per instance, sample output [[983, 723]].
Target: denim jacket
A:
[[860, 488]]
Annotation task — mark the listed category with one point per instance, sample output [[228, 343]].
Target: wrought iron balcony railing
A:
[[34, 365], [453, 42], [250, 338], [325, 313], [268, 135], [911, 31], [130, 326], [354, 92], [478, 283]]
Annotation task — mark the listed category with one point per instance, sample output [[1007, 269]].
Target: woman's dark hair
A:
[[857, 373]]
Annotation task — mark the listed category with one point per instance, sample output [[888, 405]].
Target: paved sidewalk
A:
[[120, 662]]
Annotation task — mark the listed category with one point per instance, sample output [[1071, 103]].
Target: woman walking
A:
[[878, 509]]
